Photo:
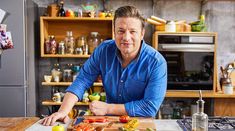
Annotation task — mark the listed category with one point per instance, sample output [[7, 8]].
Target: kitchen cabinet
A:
[[58, 26]]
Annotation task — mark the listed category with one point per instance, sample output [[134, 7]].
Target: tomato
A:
[[124, 119]]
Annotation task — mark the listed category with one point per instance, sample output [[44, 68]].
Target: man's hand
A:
[[99, 108], [50, 120]]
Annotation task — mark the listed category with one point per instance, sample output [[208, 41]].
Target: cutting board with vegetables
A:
[[112, 123]]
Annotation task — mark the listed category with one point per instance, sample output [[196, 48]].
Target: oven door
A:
[[190, 66]]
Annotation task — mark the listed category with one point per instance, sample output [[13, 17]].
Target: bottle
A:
[[76, 70], [67, 73], [69, 43], [56, 73], [200, 119], [81, 41], [61, 48], [53, 45], [61, 11], [93, 42], [47, 46]]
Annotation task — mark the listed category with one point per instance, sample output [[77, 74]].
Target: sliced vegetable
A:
[[124, 119], [132, 124]]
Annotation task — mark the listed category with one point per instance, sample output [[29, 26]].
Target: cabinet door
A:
[[224, 107]]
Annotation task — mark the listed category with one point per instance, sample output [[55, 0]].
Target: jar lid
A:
[[94, 33], [61, 43]]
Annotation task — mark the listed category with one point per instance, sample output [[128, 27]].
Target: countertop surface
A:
[[161, 125], [16, 123]]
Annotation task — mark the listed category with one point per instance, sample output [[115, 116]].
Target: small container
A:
[[93, 41], [47, 46], [67, 75], [170, 26], [69, 43], [103, 96], [85, 49], [53, 45], [56, 73], [81, 41], [78, 51], [56, 97], [61, 48], [227, 86]]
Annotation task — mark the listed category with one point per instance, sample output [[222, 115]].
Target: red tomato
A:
[[124, 119]]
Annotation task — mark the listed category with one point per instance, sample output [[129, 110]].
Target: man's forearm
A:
[[116, 109], [69, 101]]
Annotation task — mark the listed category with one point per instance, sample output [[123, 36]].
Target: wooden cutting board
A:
[[16, 123], [143, 123]]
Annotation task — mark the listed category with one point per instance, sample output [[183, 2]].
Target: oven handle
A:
[[187, 47]]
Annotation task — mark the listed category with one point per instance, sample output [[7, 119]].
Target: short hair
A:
[[129, 11]]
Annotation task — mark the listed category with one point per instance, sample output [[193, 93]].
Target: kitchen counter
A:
[[161, 125], [16, 123]]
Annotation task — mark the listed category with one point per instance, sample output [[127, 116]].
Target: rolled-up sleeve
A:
[[87, 75], [154, 93]]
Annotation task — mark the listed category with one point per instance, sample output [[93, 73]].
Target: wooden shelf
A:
[[65, 56], [66, 83], [187, 33], [77, 18], [52, 103], [58, 26], [194, 94]]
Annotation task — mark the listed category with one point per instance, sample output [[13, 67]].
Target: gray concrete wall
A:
[[220, 17]]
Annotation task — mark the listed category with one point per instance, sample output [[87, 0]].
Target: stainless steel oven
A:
[[190, 61]]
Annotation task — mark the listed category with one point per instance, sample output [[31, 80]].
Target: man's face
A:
[[128, 35]]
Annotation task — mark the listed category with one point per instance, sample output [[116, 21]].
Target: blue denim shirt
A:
[[141, 86]]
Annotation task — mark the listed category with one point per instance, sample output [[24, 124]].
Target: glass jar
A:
[[56, 73], [53, 45], [47, 46], [93, 42], [67, 75], [69, 43], [76, 70], [61, 48], [78, 51], [81, 41]]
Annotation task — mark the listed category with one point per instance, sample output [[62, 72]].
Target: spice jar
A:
[[47, 46], [93, 42], [69, 43], [53, 45], [61, 48], [67, 75], [76, 70], [81, 41], [56, 73]]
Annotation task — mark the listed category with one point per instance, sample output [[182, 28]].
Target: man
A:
[[134, 74]]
